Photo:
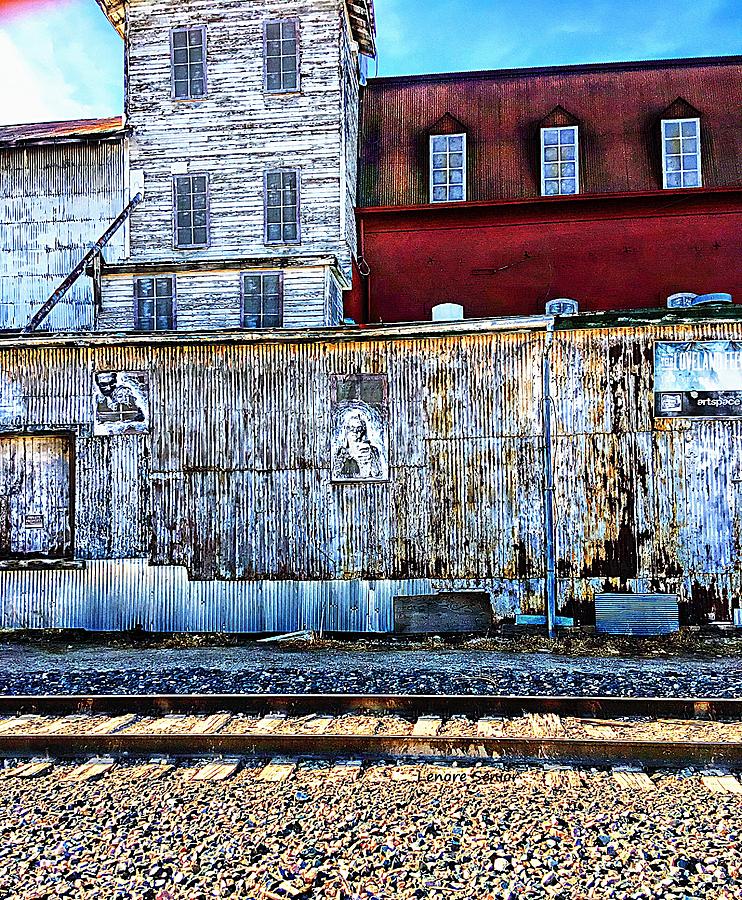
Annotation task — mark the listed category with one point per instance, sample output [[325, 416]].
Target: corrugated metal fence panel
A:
[[636, 613], [639, 499], [55, 200], [115, 595], [241, 439]]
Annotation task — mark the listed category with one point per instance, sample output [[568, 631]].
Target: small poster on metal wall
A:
[[360, 428], [698, 379], [121, 403]]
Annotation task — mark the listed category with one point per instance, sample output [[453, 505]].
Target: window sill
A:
[[41, 565]]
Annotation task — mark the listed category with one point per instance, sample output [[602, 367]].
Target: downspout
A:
[[549, 532]]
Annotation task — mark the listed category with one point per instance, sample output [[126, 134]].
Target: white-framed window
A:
[[281, 200], [560, 166], [681, 153], [191, 212], [447, 167], [262, 299]]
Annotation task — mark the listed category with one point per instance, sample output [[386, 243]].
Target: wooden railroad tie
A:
[[92, 769], [427, 726], [722, 784], [279, 769], [33, 769], [633, 780]]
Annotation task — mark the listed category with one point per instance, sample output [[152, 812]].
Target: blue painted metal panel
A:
[[636, 613]]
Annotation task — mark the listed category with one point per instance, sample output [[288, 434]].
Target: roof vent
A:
[[562, 306], [681, 301], [448, 312], [712, 299]]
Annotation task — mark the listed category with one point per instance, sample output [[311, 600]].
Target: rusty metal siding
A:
[[35, 515], [232, 485], [55, 200], [251, 434], [618, 107], [67, 130], [645, 505]]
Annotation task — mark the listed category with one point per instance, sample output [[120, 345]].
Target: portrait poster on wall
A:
[[360, 428], [121, 403]]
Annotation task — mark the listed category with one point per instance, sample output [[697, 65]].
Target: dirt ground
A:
[[711, 643]]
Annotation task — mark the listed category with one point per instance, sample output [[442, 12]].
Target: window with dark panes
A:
[[282, 55], [154, 304], [370, 389], [262, 300], [191, 210], [282, 207], [188, 62]]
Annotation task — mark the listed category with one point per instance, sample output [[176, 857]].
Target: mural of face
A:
[[363, 457]]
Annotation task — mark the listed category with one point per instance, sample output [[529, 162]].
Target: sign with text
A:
[[698, 379]]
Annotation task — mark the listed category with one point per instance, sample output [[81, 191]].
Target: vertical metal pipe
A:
[[549, 535]]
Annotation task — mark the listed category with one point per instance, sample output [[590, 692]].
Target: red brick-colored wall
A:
[[618, 252]]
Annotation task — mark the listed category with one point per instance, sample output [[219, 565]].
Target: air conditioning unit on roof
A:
[[562, 306], [448, 312], [682, 300]]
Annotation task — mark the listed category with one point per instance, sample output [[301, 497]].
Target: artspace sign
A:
[[698, 379]]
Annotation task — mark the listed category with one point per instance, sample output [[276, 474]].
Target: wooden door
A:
[[35, 500]]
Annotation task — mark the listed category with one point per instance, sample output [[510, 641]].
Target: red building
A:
[[613, 184]]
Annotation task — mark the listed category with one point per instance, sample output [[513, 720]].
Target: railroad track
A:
[[577, 731]]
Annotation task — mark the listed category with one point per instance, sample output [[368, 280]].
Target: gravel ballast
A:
[[28, 669], [494, 834]]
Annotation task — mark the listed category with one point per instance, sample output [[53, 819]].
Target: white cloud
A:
[[53, 66], [32, 93]]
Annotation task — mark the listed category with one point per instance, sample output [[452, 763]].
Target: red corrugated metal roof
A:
[[618, 106], [76, 129]]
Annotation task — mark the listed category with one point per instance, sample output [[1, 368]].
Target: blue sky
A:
[[61, 59]]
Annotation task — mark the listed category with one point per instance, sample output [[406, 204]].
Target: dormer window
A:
[[447, 168], [559, 161], [681, 153]]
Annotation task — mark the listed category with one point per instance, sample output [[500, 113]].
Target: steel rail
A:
[[470, 705], [566, 751]]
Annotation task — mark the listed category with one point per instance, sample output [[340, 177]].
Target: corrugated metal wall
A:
[[233, 483], [55, 200]]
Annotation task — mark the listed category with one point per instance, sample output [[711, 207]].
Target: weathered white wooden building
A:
[[240, 129]]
